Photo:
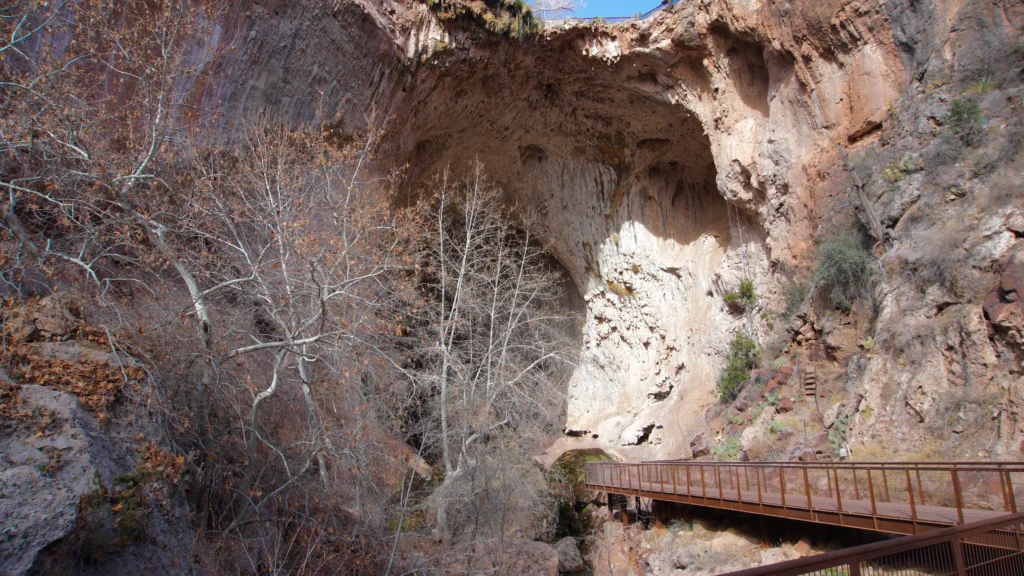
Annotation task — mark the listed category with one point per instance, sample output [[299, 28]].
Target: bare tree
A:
[[271, 252], [555, 9], [310, 328], [496, 344]]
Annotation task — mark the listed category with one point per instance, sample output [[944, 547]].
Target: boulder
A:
[[785, 405], [819, 441], [757, 432], [741, 405], [416, 464], [807, 455], [569, 557], [36, 511], [699, 445], [803, 547], [41, 320], [48, 473], [528, 557]]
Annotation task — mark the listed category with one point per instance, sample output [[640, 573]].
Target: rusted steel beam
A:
[[851, 558]]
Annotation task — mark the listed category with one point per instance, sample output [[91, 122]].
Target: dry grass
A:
[[873, 453]]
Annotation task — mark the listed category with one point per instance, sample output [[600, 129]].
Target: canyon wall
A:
[[664, 160]]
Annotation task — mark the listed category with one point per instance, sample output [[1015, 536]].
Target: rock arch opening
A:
[[622, 179]]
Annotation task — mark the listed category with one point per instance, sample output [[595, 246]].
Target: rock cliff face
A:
[[665, 159]]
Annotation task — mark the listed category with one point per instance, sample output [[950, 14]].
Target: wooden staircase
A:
[[810, 382]]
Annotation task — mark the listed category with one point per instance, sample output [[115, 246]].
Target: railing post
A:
[[958, 555], [703, 485], [839, 496], [688, 491], [675, 472], [1002, 487], [957, 494], [885, 485], [718, 479], [854, 568], [739, 493], [807, 489], [871, 489], [910, 493], [920, 488], [1009, 490], [856, 489], [782, 485]]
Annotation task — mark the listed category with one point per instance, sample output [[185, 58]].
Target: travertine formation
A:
[[665, 160]]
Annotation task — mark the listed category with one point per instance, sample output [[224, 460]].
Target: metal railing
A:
[[900, 498], [987, 548]]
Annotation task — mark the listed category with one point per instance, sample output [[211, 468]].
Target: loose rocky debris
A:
[[699, 445], [685, 549]]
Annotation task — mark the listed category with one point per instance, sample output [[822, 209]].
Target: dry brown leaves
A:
[[10, 401], [156, 462], [97, 385]]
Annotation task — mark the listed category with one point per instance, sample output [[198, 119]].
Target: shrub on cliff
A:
[[964, 118], [741, 299], [842, 269], [743, 356]]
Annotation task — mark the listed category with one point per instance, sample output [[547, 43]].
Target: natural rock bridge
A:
[[964, 515]]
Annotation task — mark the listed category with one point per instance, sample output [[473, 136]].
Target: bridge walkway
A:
[[898, 498]]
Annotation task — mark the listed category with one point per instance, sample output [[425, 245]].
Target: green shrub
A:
[[775, 428], [906, 165], [843, 269], [964, 118], [756, 411], [736, 419], [743, 297], [742, 358], [727, 449], [984, 85], [796, 293], [837, 435]]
